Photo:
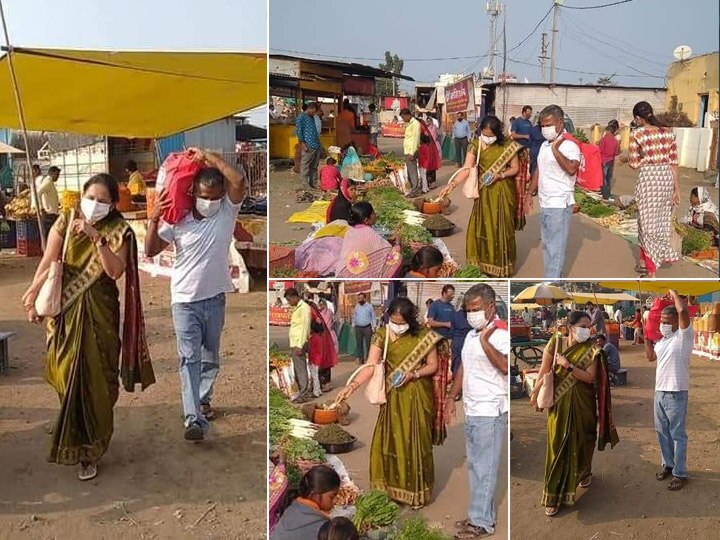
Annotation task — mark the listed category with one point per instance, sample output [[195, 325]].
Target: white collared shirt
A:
[[556, 188], [672, 373], [485, 388]]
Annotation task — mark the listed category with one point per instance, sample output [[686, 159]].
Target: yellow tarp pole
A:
[[21, 118]]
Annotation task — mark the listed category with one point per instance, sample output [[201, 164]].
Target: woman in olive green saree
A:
[[490, 241], [581, 415], [412, 420], [84, 342]]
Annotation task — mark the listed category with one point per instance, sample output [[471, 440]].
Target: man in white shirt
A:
[[200, 279], [527, 317], [483, 379], [618, 315], [554, 179], [672, 382], [374, 124]]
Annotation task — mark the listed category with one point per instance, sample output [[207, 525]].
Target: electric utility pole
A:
[[556, 13], [543, 56], [493, 10]]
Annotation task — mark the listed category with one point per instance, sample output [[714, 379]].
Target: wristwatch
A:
[[101, 242], [570, 368]]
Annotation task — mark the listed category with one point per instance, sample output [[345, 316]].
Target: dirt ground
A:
[[451, 482], [588, 243], [625, 500], [152, 483]]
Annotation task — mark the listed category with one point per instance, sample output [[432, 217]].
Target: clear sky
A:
[[639, 36], [178, 25]]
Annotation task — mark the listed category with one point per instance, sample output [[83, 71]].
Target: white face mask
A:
[[94, 210], [488, 140], [550, 133], [582, 334], [207, 208], [398, 329], [666, 330], [477, 319]]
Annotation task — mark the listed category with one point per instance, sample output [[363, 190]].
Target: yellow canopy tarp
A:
[[689, 288], [315, 213], [521, 307], [602, 298], [129, 94]]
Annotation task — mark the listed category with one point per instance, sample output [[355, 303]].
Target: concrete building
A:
[[692, 87], [585, 105]]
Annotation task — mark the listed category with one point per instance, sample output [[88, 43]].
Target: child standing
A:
[[330, 176], [609, 149]]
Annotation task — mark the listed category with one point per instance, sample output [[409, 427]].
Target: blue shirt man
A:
[[460, 330], [611, 352], [364, 315], [461, 128], [306, 131], [536, 141], [442, 312], [521, 128]]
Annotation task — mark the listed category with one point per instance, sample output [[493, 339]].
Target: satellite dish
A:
[[682, 52]]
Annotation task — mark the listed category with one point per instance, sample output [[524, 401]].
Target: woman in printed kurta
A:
[[581, 414], [84, 341], [412, 419], [653, 151]]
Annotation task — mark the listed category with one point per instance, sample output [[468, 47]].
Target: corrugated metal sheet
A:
[[217, 136]]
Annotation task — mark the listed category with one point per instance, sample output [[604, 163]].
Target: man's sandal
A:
[[470, 532], [551, 511], [663, 473], [677, 483], [207, 411]]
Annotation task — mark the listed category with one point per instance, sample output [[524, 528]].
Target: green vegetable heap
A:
[[373, 510]]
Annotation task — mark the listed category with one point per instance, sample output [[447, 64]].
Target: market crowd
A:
[[91, 348], [430, 361]]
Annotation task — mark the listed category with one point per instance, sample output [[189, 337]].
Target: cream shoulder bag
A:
[[546, 396], [375, 388], [48, 302]]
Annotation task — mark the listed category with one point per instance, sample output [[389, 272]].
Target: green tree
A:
[[394, 64]]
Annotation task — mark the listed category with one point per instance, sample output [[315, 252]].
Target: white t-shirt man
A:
[[672, 373], [485, 389], [527, 317], [202, 247], [556, 188], [618, 316]]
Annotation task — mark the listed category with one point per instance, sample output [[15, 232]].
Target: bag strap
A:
[[385, 347], [68, 230]]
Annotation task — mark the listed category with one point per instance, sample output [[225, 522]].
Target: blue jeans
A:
[[670, 414], [607, 179], [198, 327], [554, 231], [484, 437]]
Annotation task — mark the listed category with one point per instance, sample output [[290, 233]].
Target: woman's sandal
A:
[[470, 532], [663, 473], [585, 482], [677, 483], [641, 270], [551, 511], [88, 471]]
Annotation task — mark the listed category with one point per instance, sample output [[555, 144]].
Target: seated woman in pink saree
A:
[[366, 254]]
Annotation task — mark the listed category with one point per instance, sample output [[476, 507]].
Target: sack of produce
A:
[[175, 177], [352, 166]]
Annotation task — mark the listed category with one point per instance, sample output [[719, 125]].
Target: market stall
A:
[[297, 80]]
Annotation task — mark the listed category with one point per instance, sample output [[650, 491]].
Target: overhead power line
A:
[[366, 58], [588, 72], [600, 6], [533, 31]]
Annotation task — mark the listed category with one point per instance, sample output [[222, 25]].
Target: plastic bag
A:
[[351, 166]]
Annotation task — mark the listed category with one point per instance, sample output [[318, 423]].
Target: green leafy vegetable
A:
[[303, 449], [373, 510], [469, 272], [416, 528], [695, 240]]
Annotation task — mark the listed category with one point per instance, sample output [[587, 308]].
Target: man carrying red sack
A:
[[200, 278]]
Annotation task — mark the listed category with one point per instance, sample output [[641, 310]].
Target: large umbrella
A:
[[542, 294], [7, 149], [688, 288]]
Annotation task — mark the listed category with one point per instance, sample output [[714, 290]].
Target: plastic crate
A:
[[28, 230], [8, 240], [29, 248]]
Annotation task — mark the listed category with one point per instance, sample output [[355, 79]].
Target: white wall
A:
[[585, 106], [694, 147]]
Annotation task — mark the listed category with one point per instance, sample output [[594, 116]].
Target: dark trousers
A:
[[461, 146], [48, 220], [607, 179], [363, 334], [300, 368]]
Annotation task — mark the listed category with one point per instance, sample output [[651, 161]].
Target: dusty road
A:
[[451, 488], [625, 500], [152, 483], [588, 246]]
